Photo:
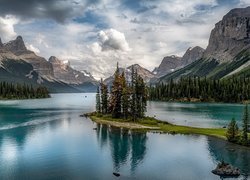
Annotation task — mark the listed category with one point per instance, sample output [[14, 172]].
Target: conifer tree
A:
[[116, 95], [18, 91], [98, 100], [133, 94], [125, 96], [232, 133], [245, 126], [104, 98]]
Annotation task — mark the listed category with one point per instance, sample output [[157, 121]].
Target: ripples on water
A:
[[46, 139]]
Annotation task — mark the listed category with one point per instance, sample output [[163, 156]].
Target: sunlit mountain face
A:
[[94, 35]]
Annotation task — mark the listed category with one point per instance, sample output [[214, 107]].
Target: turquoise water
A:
[[46, 139], [196, 114]]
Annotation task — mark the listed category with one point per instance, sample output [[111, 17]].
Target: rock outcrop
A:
[[40, 64], [16, 46], [191, 55], [230, 36], [226, 170], [168, 65]]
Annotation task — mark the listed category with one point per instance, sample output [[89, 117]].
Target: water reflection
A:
[[236, 155], [195, 114], [125, 145]]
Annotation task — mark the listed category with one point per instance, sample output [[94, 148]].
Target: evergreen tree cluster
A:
[[125, 100], [18, 91], [234, 134], [227, 90]]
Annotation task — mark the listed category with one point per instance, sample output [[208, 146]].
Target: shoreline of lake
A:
[[149, 124], [196, 100]]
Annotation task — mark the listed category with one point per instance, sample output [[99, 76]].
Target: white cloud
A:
[[41, 40], [96, 48], [112, 39], [145, 37], [7, 31], [244, 2], [33, 48]]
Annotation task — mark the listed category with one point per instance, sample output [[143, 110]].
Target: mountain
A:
[[40, 64], [168, 65], [230, 36], [18, 71], [228, 51], [20, 65], [144, 73], [191, 55], [172, 63], [65, 73]]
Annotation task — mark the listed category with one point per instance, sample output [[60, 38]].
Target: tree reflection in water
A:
[[124, 145]]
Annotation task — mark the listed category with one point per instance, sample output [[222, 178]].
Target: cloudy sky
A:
[[95, 34]]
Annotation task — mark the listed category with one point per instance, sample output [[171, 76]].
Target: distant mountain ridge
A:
[[18, 64], [228, 51], [227, 55], [172, 63], [143, 72]]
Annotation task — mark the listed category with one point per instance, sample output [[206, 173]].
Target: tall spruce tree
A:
[[133, 108], [245, 126], [125, 96], [104, 97], [232, 133], [116, 95], [98, 100]]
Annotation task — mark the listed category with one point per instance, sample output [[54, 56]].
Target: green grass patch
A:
[[162, 126]]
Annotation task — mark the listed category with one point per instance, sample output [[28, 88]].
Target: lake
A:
[[47, 139]]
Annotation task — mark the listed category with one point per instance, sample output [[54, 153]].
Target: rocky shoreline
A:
[[226, 170]]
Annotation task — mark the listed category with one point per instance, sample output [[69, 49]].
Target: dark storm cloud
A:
[[58, 10]]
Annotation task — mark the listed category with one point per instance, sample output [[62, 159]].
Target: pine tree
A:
[[232, 131], [245, 126], [125, 96], [98, 100], [116, 95], [104, 98], [133, 94]]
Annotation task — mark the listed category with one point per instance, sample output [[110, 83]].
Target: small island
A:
[[22, 91], [154, 125], [125, 107]]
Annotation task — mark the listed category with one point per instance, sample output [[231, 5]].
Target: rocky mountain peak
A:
[[64, 72], [143, 72], [230, 36], [192, 54], [134, 66], [54, 60], [16, 46], [172, 63], [168, 64]]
